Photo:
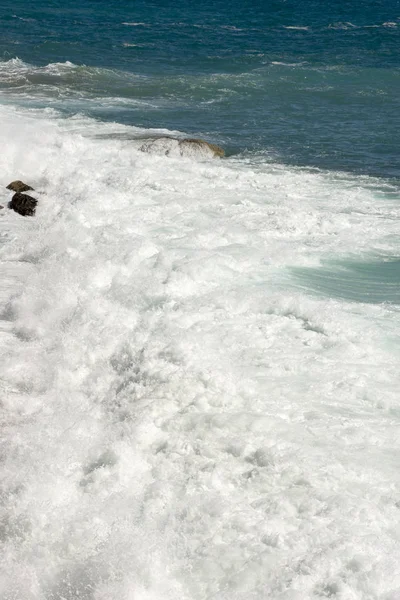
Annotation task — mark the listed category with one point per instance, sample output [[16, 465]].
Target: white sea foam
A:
[[297, 27], [17, 66], [63, 85], [286, 64], [137, 24], [178, 419], [187, 148], [231, 28], [26, 20]]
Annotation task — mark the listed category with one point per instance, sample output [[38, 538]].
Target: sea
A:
[[199, 356]]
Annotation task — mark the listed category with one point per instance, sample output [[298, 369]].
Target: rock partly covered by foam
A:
[[190, 145], [19, 186], [23, 204], [191, 148]]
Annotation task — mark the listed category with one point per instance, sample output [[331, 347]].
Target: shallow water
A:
[[372, 282]]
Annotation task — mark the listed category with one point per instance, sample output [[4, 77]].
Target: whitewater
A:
[[185, 413]]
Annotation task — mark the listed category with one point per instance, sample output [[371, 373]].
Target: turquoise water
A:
[[372, 282]]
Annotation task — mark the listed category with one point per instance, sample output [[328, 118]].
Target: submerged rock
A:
[[23, 204], [19, 186], [192, 148]]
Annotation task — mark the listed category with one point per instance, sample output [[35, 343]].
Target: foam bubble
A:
[[297, 27], [179, 419]]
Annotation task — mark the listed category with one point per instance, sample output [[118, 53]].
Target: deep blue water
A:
[[306, 83]]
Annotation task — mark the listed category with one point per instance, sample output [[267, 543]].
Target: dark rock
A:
[[23, 204], [1, 206], [19, 186]]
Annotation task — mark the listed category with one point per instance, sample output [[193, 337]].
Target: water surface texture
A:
[[199, 357], [310, 85]]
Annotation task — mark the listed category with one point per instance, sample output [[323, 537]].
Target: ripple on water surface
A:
[[372, 282]]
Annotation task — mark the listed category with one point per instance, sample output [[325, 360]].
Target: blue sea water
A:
[[313, 85], [199, 357]]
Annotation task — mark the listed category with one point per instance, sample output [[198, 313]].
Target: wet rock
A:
[[19, 186], [200, 146], [162, 145], [191, 148], [23, 204]]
